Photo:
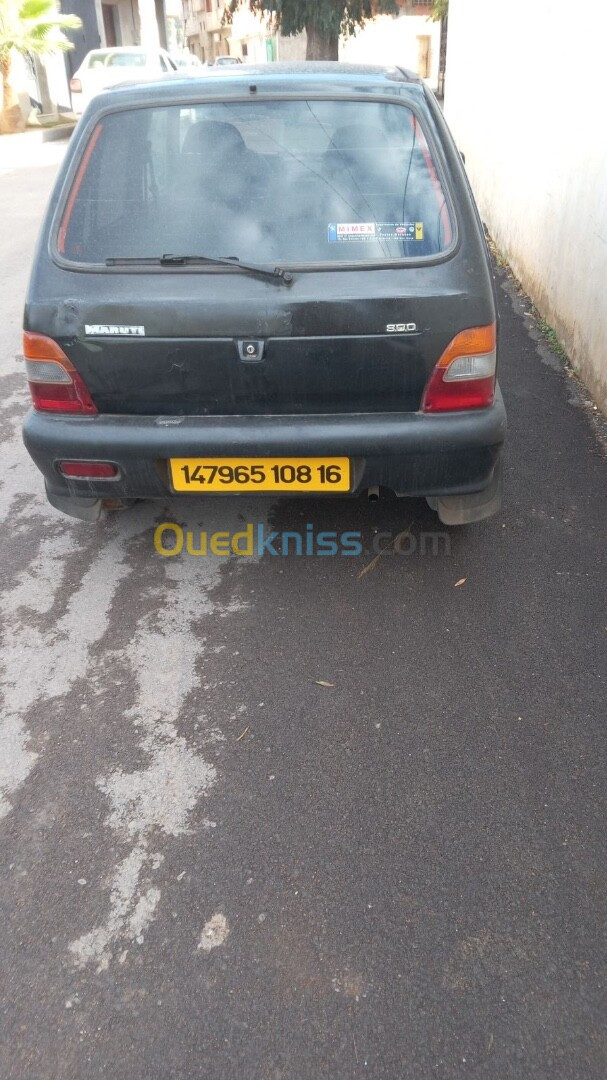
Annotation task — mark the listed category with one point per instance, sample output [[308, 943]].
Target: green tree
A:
[[33, 28], [323, 20], [440, 10]]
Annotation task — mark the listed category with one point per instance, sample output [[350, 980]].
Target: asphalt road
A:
[[213, 865]]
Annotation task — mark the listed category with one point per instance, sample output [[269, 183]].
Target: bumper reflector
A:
[[88, 470]]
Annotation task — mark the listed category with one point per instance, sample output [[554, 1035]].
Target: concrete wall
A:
[[252, 31], [149, 35], [388, 40], [525, 99], [292, 49], [58, 86]]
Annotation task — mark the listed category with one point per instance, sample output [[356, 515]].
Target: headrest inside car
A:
[[212, 137]]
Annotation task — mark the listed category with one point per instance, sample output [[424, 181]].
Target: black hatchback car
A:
[[270, 280]]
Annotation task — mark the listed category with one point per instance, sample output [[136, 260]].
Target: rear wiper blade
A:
[[278, 274]]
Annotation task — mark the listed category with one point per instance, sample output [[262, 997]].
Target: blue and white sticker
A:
[[361, 231], [352, 230]]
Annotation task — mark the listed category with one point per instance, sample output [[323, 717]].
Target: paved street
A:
[[268, 818]]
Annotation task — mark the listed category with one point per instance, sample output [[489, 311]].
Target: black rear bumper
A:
[[410, 453]]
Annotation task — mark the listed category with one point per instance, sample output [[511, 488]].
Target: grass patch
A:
[[499, 259], [549, 334]]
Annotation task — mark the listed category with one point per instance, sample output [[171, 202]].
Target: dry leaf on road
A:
[[389, 547]]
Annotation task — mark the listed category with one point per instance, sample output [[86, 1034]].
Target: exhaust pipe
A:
[[373, 493]]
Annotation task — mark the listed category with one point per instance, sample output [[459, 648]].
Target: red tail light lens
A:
[[76, 86], [55, 385], [88, 470], [464, 377]]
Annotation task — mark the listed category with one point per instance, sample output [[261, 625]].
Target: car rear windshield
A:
[[288, 182], [108, 58]]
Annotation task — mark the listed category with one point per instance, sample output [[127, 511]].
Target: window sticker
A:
[[346, 232]]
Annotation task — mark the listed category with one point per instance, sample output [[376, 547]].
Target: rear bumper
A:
[[413, 454]]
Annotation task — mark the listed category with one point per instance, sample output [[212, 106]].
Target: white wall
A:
[[252, 30], [525, 98], [389, 41], [148, 26], [293, 48], [57, 81], [384, 40]]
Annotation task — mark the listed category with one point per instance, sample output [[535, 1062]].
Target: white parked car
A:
[[187, 63], [108, 67]]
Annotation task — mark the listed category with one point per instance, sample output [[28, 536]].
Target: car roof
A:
[[331, 77], [112, 50], [335, 68], [123, 49]]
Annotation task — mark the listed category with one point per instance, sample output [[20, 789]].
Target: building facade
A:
[[206, 33]]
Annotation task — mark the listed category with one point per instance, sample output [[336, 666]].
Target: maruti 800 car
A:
[[270, 280]]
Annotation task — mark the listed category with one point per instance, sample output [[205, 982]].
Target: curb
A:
[[51, 134], [61, 131], [42, 134]]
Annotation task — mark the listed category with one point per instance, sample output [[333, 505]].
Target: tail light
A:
[[464, 377], [75, 86], [55, 385]]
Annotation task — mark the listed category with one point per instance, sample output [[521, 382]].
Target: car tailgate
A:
[[268, 354]]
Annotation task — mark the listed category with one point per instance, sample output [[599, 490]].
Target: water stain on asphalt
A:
[[42, 658], [60, 611], [159, 797]]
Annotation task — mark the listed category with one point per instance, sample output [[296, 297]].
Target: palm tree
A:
[[33, 28]]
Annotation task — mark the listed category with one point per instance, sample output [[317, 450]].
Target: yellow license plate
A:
[[260, 474]]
